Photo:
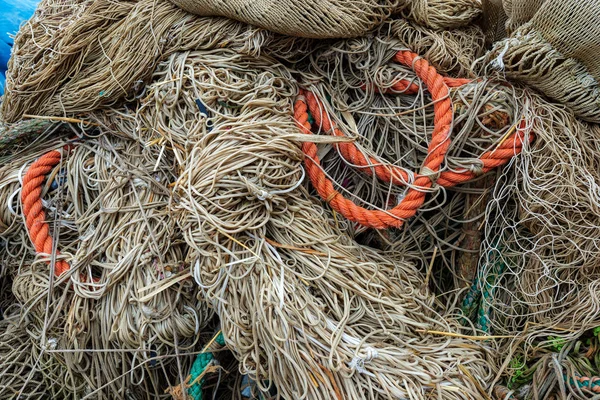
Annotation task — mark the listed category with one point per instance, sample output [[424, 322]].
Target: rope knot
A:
[[257, 191], [429, 173], [358, 363], [263, 195], [51, 344], [476, 168]]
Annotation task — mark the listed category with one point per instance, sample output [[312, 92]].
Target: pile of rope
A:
[[283, 279], [119, 269], [378, 216]]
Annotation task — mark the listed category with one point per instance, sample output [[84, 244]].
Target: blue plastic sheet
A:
[[12, 14]]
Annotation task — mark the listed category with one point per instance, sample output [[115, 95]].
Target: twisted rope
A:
[[440, 142], [14, 134], [592, 383], [201, 363], [35, 217]]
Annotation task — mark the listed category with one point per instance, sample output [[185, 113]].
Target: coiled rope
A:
[[429, 174]]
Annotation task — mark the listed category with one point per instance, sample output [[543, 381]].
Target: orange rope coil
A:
[[424, 180], [35, 217]]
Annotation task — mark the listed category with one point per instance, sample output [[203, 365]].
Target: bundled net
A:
[[20, 373], [295, 296], [335, 18], [86, 71], [452, 51], [553, 48], [396, 130], [103, 52], [539, 274], [206, 184], [493, 20], [312, 18], [113, 323], [441, 14]]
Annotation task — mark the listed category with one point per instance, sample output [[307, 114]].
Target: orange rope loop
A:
[[429, 174]]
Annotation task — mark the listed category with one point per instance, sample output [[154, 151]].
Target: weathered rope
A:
[[202, 362], [22, 130], [439, 144], [33, 209]]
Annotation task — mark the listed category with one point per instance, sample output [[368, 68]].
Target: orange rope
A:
[[35, 217], [404, 86], [440, 142]]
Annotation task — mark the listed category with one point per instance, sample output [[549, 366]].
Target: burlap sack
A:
[[555, 48], [307, 18]]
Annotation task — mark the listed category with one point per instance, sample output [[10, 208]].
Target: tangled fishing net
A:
[[193, 206], [103, 52], [116, 232], [335, 18], [539, 269], [282, 278], [553, 48]]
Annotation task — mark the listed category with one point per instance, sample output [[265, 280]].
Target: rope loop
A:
[[429, 174]]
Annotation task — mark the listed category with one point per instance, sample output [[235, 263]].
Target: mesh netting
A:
[[442, 14], [494, 20], [184, 195], [335, 18], [311, 18], [554, 48]]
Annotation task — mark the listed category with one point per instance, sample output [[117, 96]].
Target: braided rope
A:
[[592, 383], [201, 363], [440, 142], [35, 217], [404, 86]]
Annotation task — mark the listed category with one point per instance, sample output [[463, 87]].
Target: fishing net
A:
[[117, 236], [553, 48], [442, 14], [179, 199], [20, 374], [87, 71], [295, 295], [335, 18], [396, 128], [452, 51], [538, 274], [493, 20], [312, 18], [91, 65]]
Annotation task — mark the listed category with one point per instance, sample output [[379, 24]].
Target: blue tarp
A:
[[12, 14]]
